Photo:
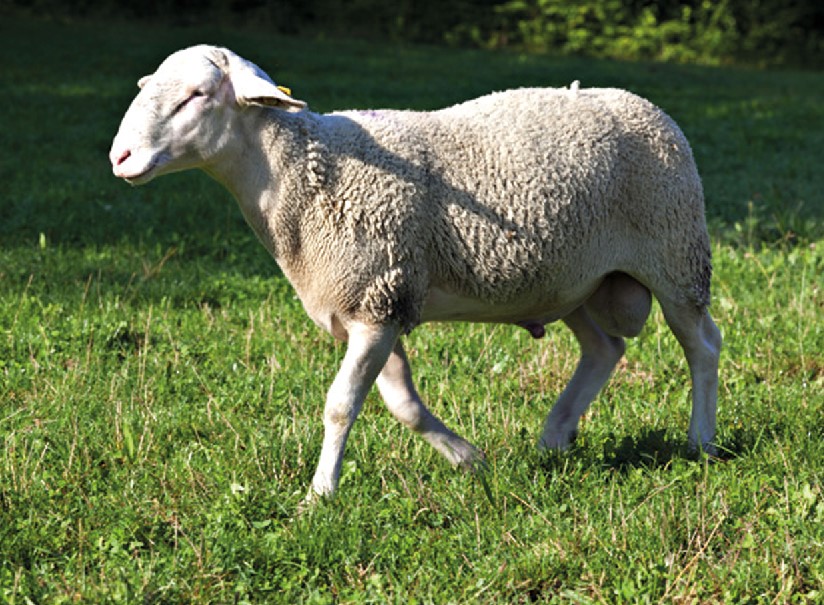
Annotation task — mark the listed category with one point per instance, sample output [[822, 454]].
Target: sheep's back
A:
[[530, 186], [514, 195]]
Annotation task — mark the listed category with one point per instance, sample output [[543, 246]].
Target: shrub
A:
[[767, 32]]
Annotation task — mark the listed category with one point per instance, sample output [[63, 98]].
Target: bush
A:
[[766, 32], [697, 31]]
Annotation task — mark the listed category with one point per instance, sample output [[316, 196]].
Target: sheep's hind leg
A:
[[599, 355], [701, 341], [398, 391], [366, 353]]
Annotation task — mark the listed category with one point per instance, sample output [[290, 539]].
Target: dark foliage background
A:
[[763, 32]]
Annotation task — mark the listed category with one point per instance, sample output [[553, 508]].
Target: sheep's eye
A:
[[193, 95]]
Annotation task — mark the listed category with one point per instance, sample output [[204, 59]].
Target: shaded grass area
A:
[[161, 389], [750, 130]]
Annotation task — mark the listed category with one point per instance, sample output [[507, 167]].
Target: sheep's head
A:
[[186, 112]]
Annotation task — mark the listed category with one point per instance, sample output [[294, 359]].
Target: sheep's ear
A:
[[143, 81], [253, 87], [269, 96]]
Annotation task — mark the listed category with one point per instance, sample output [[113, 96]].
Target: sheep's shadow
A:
[[650, 449]]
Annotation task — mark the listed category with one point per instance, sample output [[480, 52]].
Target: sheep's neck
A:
[[251, 167]]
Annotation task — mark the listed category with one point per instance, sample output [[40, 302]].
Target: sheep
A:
[[524, 207]]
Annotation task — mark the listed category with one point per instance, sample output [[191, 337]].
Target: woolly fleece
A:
[[520, 200]]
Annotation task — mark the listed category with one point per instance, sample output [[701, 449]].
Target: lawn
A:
[[161, 389]]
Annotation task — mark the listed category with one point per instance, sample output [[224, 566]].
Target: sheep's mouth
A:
[[143, 176], [140, 178]]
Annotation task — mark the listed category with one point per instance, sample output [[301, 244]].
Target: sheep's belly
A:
[[441, 305]]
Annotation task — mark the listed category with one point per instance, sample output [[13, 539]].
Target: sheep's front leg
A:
[[398, 391], [367, 351]]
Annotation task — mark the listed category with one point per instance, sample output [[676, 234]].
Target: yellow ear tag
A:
[[285, 90]]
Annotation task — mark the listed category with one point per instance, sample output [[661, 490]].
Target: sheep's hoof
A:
[[557, 442], [308, 504], [709, 449], [311, 501], [474, 461], [466, 456], [477, 465]]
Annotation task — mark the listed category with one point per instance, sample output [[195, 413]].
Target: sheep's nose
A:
[[118, 158]]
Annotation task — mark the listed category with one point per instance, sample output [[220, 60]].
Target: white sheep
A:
[[522, 207]]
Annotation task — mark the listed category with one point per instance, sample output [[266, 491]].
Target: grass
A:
[[161, 389]]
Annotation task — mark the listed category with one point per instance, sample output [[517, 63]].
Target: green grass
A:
[[161, 389]]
